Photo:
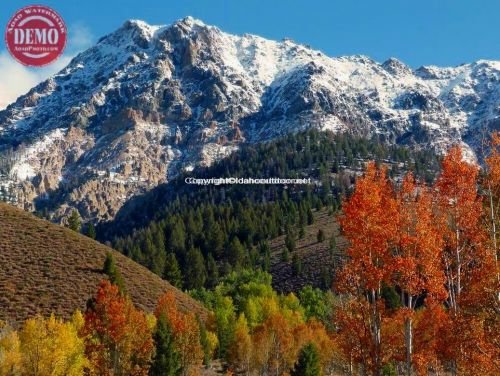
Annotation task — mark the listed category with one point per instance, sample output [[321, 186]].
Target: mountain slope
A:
[[229, 227], [46, 268], [147, 102], [319, 261]]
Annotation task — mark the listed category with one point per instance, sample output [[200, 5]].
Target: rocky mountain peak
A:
[[396, 67], [147, 102], [191, 22]]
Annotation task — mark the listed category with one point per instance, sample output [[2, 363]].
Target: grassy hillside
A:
[[317, 260], [47, 268]]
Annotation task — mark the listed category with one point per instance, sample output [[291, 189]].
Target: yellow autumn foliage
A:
[[51, 347], [10, 354]]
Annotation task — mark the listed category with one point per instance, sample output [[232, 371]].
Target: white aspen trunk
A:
[[459, 265], [451, 290], [494, 235], [493, 223], [457, 256], [376, 335], [350, 365], [409, 344]]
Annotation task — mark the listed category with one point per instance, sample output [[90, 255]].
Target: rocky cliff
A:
[[147, 102]]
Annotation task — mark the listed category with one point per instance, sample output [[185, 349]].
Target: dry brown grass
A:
[[314, 256], [46, 268]]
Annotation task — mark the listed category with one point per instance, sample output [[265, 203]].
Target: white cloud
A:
[[16, 79], [80, 37]]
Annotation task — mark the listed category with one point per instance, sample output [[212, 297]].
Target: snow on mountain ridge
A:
[[148, 101]]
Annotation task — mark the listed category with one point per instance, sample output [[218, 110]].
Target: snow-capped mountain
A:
[[148, 101]]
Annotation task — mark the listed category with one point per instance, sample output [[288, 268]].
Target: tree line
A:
[[204, 233], [330, 159]]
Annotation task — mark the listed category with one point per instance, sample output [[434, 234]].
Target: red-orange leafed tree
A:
[[476, 327], [186, 333], [370, 223], [415, 266], [429, 324], [274, 346], [492, 186], [355, 336], [314, 332], [470, 342], [118, 337], [461, 211], [491, 312], [431, 247]]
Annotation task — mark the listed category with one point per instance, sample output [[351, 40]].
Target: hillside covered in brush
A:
[[46, 268]]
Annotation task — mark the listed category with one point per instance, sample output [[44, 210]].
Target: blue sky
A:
[[421, 32]]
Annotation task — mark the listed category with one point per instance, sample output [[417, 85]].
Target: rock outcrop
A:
[[147, 102]]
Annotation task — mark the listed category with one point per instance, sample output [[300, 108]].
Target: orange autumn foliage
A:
[[315, 332], [118, 337], [493, 163], [241, 351], [273, 344], [370, 224], [470, 338], [492, 186], [413, 266], [354, 320], [431, 249], [186, 332], [461, 212], [428, 345]]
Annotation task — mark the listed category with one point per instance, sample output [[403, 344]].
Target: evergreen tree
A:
[[302, 232], [391, 297], [150, 251], [326, 278], [247, 227], [310, 217], [308, 363], [285, 255], [172, 271], [389, 370], [91, 233], [74, 222], [177, 239], [320, 236], [236, 253], [253, 258], [196, 273], [290, 241], [113, 273], [265, 251], [212, 272], [166, 361], [159, 255], [332, 246], [216, 239], [296, 264]]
